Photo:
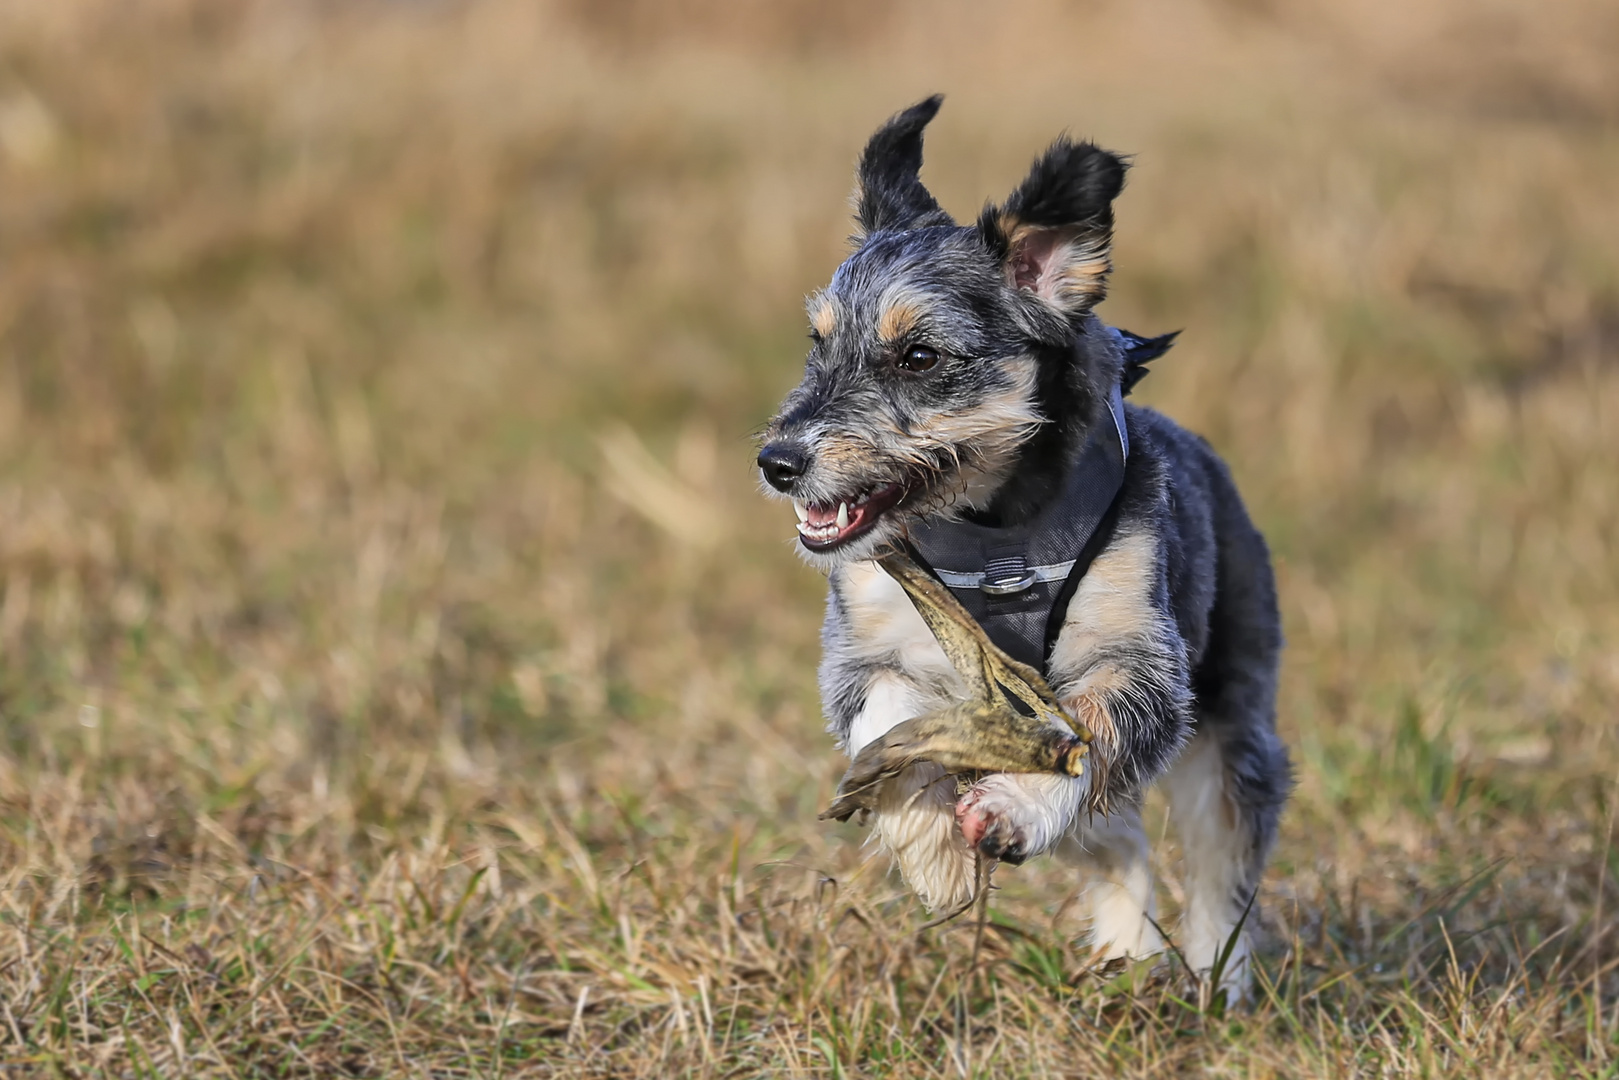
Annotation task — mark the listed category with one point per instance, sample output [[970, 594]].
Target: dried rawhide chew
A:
[[985, 732]]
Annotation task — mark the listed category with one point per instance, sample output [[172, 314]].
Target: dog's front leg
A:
[[914, 817], [1134, 702], [1013, 816], [1132, 707]]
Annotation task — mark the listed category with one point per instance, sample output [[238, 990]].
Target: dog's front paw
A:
[[994, 818]]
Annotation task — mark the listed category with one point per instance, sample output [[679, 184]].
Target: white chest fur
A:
[[883, 625], [884, 630]]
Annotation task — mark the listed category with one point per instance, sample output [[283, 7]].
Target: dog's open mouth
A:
[[824, 526]]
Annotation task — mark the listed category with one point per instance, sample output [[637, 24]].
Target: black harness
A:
[[1017, 582]]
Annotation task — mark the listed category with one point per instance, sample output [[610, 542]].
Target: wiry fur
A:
[[1170, 646]]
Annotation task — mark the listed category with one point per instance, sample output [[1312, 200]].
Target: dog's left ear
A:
[[891, 195], [1054, 234]]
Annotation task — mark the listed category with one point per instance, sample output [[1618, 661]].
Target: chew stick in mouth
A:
[[984, 732]]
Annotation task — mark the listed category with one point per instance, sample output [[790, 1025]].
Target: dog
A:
[[958, 379]]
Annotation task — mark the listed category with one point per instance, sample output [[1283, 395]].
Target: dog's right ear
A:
[[1054, 234], [891, 195]]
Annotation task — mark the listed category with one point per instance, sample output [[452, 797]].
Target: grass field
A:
[[400, 675]]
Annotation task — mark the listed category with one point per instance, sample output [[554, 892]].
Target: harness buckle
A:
[[1007, 572], [1008, 586]]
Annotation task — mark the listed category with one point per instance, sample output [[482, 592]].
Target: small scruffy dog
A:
[[958, 380]]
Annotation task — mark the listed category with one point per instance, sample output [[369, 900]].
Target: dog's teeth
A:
[[801, 510], [843, 515], [817, 532]]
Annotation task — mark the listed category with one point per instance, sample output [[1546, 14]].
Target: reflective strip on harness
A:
[[957, 580]]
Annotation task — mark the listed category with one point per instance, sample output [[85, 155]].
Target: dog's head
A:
[[941, 352]]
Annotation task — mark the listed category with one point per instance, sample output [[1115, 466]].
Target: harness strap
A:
[[1011, 578], [1095, 544], [1017, 581]]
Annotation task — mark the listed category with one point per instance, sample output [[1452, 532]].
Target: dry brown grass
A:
[[399, 676]]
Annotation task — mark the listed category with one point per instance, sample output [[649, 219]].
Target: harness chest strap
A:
[[1017, 582]]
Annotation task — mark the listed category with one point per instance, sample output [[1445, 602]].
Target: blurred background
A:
[[397, 662]]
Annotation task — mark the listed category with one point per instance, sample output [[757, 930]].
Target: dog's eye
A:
[[917, 358]]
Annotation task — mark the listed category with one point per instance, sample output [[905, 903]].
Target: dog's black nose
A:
[[782, 463]]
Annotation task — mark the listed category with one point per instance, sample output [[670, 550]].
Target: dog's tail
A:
[[1138, 353]]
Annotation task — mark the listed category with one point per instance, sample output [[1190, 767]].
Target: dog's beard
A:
[[835, 532], [871, 484]]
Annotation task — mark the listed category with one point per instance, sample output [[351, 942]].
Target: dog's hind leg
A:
[[1227, 790], [1112, 852], [1225, 796]]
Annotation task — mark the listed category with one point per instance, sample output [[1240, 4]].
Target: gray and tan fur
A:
[[957, 370]]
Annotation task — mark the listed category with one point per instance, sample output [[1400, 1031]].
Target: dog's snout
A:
[[782, 464]]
